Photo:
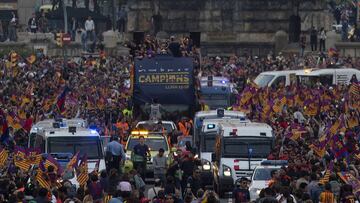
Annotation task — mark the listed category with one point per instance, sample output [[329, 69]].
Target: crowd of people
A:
[[324, 134]]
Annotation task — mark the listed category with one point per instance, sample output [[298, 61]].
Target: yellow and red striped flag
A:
[[319, 151], [43, 179], [354, 89], [4, 154], [33, 156], [20, 159], [107, 198], [73, 162], [82, 171]]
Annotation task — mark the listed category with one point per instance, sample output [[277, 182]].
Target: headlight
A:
[[226, 170], [206, 166]]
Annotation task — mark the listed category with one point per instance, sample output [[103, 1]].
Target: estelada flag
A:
[[43, 179], [82, 171]]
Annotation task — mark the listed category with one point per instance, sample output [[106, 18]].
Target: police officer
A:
[[115, 154]]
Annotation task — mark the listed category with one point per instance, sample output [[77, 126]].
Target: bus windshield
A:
[[247, 147], [91, 146]]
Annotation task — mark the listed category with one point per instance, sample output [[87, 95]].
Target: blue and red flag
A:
[[60, 103], [338, 148], [4, 127]]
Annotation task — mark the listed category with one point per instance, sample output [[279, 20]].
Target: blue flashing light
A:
[[223, 81], [93, 131], [210, 126]]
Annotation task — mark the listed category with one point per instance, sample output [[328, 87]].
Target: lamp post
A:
[[66, 31]]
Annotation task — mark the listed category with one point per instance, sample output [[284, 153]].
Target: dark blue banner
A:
[[166, 78]]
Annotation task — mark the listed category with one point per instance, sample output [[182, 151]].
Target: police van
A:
[[328, 76], [216, 92], [261, 176], [207, 145], [212, 114], [64, 138], [239, 148], [275, 78]]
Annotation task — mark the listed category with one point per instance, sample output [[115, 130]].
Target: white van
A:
[[63, 142], [208, 134], [328, 76], [239, 148], [275, 78], [218, 113]]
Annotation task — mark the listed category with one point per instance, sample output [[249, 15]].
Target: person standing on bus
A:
[[155, 109]]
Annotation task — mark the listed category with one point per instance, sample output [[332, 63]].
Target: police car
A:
[[262, 175], [154, 140]]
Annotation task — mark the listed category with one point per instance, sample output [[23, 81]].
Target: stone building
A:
[[236, 25]]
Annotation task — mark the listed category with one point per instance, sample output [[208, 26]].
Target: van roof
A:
[[217, 121], [246, 129], [215, 78], [154, 122], [285, 72], [214, 113], [330, 70], [79, 133], [47, 124]]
